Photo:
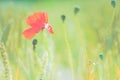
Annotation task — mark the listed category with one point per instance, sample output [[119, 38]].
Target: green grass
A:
[[73, 52]]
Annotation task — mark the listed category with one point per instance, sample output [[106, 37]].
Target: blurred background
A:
[[85, 45]]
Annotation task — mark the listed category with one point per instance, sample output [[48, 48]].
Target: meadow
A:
[[85, 44]]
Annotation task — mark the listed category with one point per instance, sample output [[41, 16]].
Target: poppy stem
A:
[[82, 64], [70, 58], [34, 47]]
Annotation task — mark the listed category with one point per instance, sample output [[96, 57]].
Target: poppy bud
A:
[[63, 17], [76, 9], [101, 56], [113, 3], [34, 42]]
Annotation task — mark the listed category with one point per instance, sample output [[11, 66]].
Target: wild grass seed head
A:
[[5, 62]]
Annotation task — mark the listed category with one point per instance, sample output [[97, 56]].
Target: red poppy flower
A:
[[38, 21]]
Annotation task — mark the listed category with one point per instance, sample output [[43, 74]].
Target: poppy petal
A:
[[37, 19], [29, 33], [44, 17]]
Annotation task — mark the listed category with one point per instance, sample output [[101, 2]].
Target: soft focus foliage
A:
[[86, 46]]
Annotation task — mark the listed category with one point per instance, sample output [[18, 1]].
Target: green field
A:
[[85, 46]]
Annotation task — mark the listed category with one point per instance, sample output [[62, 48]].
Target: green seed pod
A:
[[34, 42], [113, 3], [63, 17], [76, 9], [101, 56]]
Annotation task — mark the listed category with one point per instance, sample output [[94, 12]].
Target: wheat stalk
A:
[[5, 62]]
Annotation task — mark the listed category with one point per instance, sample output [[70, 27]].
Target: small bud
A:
[[76, 9], [63, 17], [34, 42], [113, 3], [101, 56]]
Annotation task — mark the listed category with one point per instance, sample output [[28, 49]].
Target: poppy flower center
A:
[[46, 25]]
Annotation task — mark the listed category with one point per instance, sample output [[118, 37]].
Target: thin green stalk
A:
[[82, 55], [112, 25], [70, 58], [46, 56], [79, 31]]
